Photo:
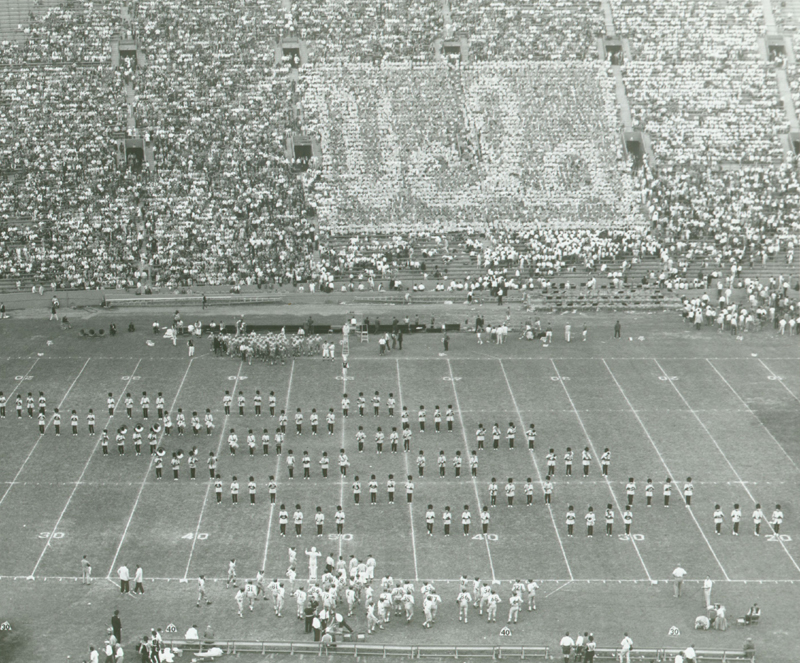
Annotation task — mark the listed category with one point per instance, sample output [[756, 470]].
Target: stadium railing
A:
[[668, 654], [361, 649], [444, 651], [187, 300]]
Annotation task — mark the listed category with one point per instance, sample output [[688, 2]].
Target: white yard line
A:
[[405, 461], [722, 453], [597, 459], [777, 378], [536, 467], [426, 358], [342, 446], [666, 467], [277, 470], [222, 434], [445, 480], [743, 402], [39, 439], [558, 581], [557, 589], [144, 479], [9, 404], [466, 447], [80, 478]]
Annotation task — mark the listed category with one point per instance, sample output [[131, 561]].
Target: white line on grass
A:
[[405, 460], [722, 453], [277, 469], [341, 476], [466, 446], [536, 467], [144, 479], [223, 431], [441, 480], [39, 439], [426, 358], [666, 467], [774, 375], [557, 589], [19, 382], [735, 393], [588, 581], [597, 458], [80, 478]]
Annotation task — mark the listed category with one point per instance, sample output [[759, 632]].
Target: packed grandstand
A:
[[485, 132]]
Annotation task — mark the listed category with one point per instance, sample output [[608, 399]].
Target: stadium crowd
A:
[[520, 157], [546, 30], [695, 29], [79, 32]]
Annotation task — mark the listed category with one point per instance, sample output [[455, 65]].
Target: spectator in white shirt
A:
[[625, 649], [677, 580], [566, 646]]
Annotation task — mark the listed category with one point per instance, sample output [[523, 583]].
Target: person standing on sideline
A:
[[617, 329], [446, 341], [124, 579], [567, 332], [707, 585], [190, 343], [86, 571], [625, 649], [116, 625], [138, 577], [677, 580], [591, 647], [566, 647]]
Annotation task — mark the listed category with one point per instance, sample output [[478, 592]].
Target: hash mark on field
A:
[[54, 531], [596, 458], [536, 467], [664, 463], [727, 460], [144, 479]]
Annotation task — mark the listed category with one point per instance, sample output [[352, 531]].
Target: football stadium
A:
[[257, 262]]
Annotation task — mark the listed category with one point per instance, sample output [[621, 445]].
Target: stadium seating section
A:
[[504, 165]]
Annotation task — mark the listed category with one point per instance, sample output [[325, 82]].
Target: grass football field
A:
[[676, 403]]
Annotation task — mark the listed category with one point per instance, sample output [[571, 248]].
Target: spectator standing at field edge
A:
[[677, 580], [116, 625], [566, 646]]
